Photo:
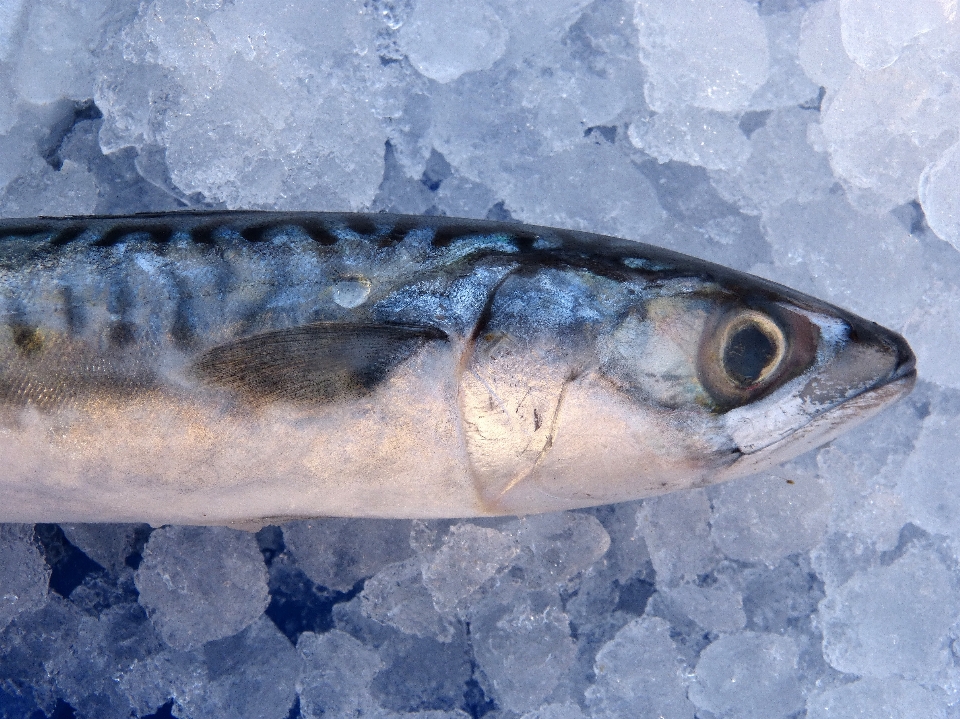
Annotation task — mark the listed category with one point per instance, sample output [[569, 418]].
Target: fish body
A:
[[236, 367]]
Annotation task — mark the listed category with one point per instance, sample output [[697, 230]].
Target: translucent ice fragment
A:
[[710, 54], [556, 547], [10, 14], [57, 55], [24, 575], [698, 137], [444, 40], [567, 710], [874, 31], [939, 196], [107, 544], [676, 528], [396, 596], [883, 127], [749, 675], [892, 620], [788, 85], [928, 483], [201, 583], [878, 699], [470, 556], [640, 673], [525, 652], [591, 187], [933, 331], [335, 677], [820, 49], [106, 647], [716, 608], [72, 190], [250, 675], [866, 263], [337, 553], [782, 166], [246, 118], [861, 470], [767, 517]]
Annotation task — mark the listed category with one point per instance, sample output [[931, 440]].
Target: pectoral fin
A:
[[313, 363]]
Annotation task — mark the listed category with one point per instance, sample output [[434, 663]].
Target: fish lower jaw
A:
[[822, 428]]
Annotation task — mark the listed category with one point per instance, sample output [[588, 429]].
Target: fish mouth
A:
[[906, 363]]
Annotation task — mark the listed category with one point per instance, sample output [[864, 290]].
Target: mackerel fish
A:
[[251, 367]]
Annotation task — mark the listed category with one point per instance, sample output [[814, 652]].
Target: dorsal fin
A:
[[313, 363]]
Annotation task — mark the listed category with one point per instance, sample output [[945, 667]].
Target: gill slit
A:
[[462, 366]]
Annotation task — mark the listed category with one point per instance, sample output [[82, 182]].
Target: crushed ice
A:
[[816, 143]]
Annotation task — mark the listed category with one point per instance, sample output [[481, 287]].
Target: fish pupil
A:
[[747, 354]]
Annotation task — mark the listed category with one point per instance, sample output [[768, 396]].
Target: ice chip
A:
[[933, 330], [848, 257], [201, 583], [526, 651], [693, 135], [335, 676], [640, 673], [396, 596], [109, 545], [250, 675], [749, 675], [874, 32], [71, 190], [884, 127], [556, 547], [291, 140], [444, 40], [677, 532], [589, 185], [567, 710], [338, 553], [893, 620], [781, 166], [878, 699], [928, 483], [788, 85], [716, 608], [470, 556], [106, 647], [710, 54], [58, 52], [765, 518], [10, 14], [939, 196], [820, 49], [24, 575]]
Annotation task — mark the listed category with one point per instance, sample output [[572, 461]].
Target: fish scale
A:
[[244, 367]]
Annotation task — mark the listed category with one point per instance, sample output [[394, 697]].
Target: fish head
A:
[[770, 372], [705, 377]]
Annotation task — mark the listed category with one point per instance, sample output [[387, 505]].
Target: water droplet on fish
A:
[[351, 293]]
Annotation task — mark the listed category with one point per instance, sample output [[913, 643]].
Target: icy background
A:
[[815, 143]]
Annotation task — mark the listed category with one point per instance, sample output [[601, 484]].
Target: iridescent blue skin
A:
[[554, 369]]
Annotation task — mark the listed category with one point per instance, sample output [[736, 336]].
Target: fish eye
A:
[[752, 347], [747, 353]]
